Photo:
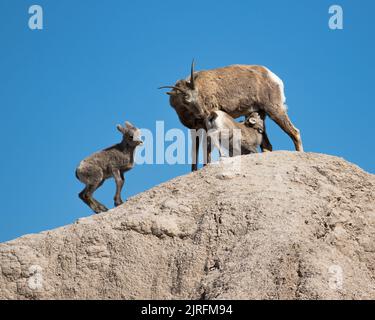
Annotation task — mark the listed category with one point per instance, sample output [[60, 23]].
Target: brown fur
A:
[[237, 90], [111, 162], [221, 128]]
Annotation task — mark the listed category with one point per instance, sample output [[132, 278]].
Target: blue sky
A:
[[98, 63]]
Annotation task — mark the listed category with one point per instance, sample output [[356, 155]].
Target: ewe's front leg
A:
[[194, 151], [120, 180], [207, 150]]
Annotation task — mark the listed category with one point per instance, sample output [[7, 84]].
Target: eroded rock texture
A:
[[278, 225]]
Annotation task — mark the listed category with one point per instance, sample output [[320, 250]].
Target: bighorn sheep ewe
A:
[[221, 128], [237, 90], [110, 162]]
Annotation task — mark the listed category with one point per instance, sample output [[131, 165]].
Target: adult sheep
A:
[[237, 90]]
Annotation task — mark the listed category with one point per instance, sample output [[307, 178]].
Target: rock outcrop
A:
[[278, 225]]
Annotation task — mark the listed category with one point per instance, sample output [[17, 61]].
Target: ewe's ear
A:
[[120, 128]]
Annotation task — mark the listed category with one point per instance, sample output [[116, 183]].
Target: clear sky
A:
[[97, 63]]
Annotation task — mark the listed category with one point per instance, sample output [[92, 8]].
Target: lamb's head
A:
[[131, 134], [255, 121], [184, 95]]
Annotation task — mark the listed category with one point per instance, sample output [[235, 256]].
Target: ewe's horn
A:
[[172, 87], [192, 84]]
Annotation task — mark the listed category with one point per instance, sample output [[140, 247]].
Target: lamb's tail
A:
[[212, 116], [210, 119], [77, 174]]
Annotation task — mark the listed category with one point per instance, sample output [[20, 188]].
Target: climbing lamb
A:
[[111, 162], [221, 130]]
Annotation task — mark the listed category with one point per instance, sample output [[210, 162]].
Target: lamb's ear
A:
[[128, 124], [120, 128], [252, 121]]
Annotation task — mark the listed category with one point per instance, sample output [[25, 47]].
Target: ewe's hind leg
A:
[[278, 114], [86, 196]]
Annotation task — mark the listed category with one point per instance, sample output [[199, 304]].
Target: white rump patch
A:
[[219, 122], [280, 83]]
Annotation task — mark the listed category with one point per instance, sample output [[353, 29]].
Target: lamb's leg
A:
[[120, 180], [214, 136], [279, 115], [218, 142], [86, 196]]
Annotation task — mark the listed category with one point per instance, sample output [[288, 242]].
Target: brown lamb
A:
[[221, 129], [111, 162]]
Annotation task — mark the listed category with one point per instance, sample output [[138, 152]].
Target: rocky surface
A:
[[278, 225]]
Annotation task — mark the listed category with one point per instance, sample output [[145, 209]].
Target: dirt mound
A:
[[278, 225]]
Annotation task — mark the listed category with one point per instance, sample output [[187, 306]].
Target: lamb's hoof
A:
[[101, 210], [118, 203]]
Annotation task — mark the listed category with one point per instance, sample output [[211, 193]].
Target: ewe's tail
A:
[[280, 84]]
